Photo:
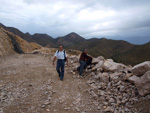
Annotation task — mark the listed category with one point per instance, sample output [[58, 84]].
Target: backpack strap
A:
[[64, 54], [57, 51]]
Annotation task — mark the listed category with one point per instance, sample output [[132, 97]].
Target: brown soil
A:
[[30, 84]]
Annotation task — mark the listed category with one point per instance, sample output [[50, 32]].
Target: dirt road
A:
[[29, 83]]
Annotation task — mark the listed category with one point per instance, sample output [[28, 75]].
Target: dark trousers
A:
[[81, 67], [60, 68]]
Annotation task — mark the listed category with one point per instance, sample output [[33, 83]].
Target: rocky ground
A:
[[29, 83]]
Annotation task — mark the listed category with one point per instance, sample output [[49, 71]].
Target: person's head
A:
[[86, 51], [60, 47]]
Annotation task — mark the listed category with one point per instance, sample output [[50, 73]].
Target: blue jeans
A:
[[82, 66], [60, 68]]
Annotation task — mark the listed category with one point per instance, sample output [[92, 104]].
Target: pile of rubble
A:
[[115, 87]]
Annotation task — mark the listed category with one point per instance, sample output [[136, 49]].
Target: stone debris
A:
[[110, 88], [111, 85]]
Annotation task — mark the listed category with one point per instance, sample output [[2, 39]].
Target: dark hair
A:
[[60, 45]]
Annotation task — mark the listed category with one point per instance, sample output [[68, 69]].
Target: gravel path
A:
[[29, 84]]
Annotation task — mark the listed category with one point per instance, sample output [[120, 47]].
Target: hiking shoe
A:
[[82, 75]]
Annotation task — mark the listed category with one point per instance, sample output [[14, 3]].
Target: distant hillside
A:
[[43, 39], [69, 39], [137, 54], [104, 47], [118, 50]]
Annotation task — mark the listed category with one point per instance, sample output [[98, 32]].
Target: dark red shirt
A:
[[84, 56]]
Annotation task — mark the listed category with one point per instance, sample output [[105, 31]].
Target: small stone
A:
[[124, 101], [99, 108], [105, 103], [47, 103], [92, 74], [112, 100], [71, 61], [48, 110], [104, 107], [2, 93], [127, 110], [93, 94], [43, 106], [119, 97], [67, 108], [108, 109], [122, 88], [102, 93], [77, 109], [118, 83], [90, 81]]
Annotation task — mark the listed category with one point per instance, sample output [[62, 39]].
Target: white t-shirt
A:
[[60, 54]]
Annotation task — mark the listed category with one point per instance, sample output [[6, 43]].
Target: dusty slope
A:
[[11, 43], [6, 46], [30, 84]]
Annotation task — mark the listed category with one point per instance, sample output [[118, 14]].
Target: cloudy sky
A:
[[114, 19]]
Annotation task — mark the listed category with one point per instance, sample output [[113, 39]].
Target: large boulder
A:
[[134, 79], [142, 83], [110, 65], [141, 68], [97, 60], [98, 65]]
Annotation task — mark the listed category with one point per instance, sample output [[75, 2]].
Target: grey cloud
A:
[[117, 19]]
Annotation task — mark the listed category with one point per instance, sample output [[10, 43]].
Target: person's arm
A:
[[54, 60], [66, 59], [87, 57]]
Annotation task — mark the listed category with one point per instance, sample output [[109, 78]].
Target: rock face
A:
[[10, 43], [141, 69], [6, 46], [142, 83]]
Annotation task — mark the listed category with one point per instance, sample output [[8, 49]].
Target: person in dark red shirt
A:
[[84, 61]]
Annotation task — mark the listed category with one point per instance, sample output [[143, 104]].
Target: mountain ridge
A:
[[119, 50]]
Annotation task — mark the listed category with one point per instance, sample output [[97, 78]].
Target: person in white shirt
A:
[[61, 57]]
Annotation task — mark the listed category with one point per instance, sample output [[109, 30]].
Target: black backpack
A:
[[64, 54]]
